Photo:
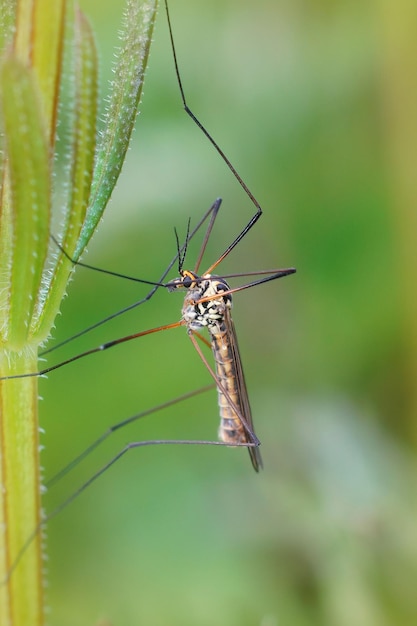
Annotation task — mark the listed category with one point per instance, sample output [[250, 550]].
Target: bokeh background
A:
[[315, 102]]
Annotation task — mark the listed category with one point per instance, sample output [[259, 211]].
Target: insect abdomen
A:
[[231, 429]]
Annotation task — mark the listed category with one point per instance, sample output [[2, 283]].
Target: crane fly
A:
[[207, 304]]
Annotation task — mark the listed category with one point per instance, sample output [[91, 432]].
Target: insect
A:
[[207, 305]]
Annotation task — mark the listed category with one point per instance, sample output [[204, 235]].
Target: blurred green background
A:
[[315, 103]]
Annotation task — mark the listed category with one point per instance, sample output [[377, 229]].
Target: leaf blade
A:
[[121, 114], [29, 194], [81, 154]]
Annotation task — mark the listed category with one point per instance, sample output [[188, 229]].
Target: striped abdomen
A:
[[231, 380]]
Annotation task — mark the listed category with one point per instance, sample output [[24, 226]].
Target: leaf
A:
[[85, 128], [29, 196], [81, 151], [139, 20]]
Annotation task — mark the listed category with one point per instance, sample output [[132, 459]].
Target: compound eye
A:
[[187, 282]]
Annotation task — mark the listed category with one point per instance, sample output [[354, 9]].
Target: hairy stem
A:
[[21, 588]]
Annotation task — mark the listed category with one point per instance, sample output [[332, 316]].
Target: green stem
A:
[[21, 596]]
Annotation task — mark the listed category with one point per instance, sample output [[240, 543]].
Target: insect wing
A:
[[243, 405]]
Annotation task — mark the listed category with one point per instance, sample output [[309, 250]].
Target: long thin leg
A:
[[207, 235], [142, 281], [100, 348], [216, 146], [261, 281]]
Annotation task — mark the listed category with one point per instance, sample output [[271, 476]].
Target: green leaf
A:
[[137, 31], [85, 131], [27, 224], [81, 152]]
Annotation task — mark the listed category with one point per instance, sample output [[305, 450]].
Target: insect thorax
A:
[[209, 313]]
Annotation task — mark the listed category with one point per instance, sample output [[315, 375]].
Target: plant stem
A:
[[21, 588]]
